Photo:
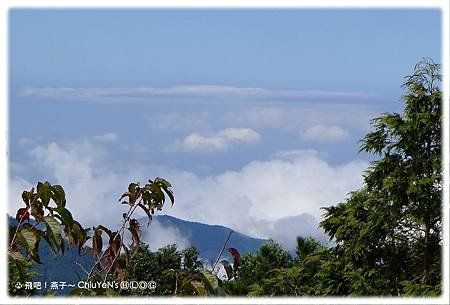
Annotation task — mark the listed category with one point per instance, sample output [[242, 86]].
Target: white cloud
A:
[[16, 186], [108, 137], [297, 153], [324, 133], [188, 91], [245, 135], [293, 117], [211, 143], [181, 121], [278, 198], [92, 189], [220, 141], [304, 225], [158, 236], [265, 191], [258, 117], [28, 141], [24, 141], [17, 167]]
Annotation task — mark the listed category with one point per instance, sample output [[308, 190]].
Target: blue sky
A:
[[344, 50], [232, 106]]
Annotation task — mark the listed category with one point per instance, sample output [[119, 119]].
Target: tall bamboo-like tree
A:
[[391, 229]]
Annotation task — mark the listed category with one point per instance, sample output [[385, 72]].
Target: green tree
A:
[[389, 233], [151, 266], [174, 272], [257, 269], [307, 247]]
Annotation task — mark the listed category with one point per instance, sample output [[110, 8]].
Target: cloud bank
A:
[[278, 198], [301, 117], [188, 91]]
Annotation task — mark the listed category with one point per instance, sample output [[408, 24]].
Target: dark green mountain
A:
[[209, 239]]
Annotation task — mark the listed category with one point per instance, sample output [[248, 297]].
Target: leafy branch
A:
[[150, 198]]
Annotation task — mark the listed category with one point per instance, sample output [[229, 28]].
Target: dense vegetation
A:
[[387, 236]]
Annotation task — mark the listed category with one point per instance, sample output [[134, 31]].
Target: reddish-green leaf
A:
[[228, 269], [22, 214], [236, 257], [97, 242]]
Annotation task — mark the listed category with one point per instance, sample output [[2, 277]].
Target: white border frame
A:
[[343, 4]]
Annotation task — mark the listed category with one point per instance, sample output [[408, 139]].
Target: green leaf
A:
[[30, 238], [210, 280], [168, 271], [200, 288], [65, 215], [132, 187], [26, 197], [37, 211], [170, 194], [126, 194], [162, 181], [59, 195], [53, 232], [147, 211], [44, 191], [16, 255]]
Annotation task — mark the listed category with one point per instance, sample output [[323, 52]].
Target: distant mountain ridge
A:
[[209, 239]]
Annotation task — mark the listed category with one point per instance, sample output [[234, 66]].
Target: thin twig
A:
[[127, 218], [221, 251], [82, 268]]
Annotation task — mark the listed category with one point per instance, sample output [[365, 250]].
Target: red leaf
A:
[[22, 214], [135, 231], [236, 257], [97, 243]]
